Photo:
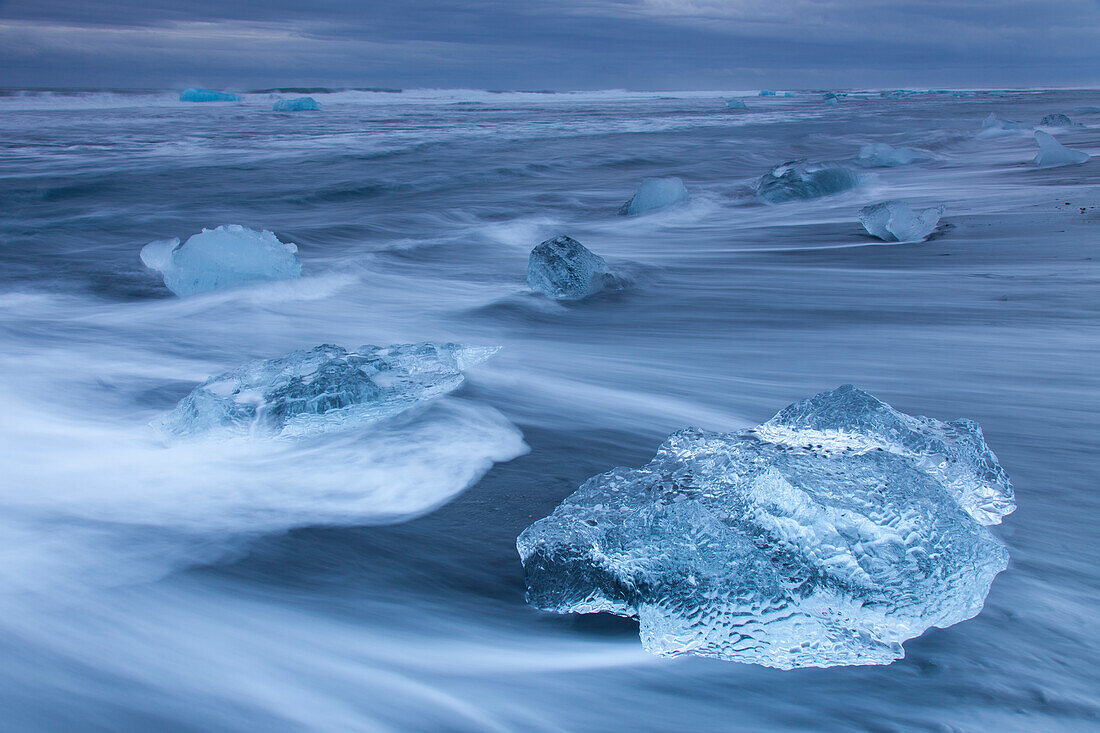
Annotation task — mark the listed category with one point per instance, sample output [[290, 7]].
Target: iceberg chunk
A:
[[994, 126], [654, 194], [320, 390], [895, 221], [226, 257], [565, 269], [207, 95], [798, 180], [829, 98], [301, 104], [1053, 154], [736, 104], [826, 537], [1056, 120], [766, 93], [881, 155]]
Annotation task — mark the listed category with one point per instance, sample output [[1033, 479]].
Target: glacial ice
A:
[[881, 155], [1053, 154], [565, 269], [654, 194], [736, 104], [994, 126], [829, 98], [207, 95], [216, 259], [300, 104], [1056, 120], [766, 93], [320, 390], [895, 221], [798, 180], [827, 536]]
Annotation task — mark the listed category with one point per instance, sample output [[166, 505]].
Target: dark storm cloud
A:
[[669, 44]]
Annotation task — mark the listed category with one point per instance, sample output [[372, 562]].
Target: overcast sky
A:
[[550, 44]]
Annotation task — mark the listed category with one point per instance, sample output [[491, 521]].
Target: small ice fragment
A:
[[766, 93], [827, 536], [736, 104], [654, 194], [829, 97], [798, 180], [301, 104], [565, 269], [207, 95], [881, 155], [788, 94], [324, 389], [226, 257], [994, 126], [895, 221], [1056, 120], [1053, 154]]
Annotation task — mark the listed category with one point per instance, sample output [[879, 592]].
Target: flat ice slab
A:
[[207, 95], [1053, 154], [881, 155], [565, 269], [216, 259], [320, 390], [895, 221], [827, 536], [300, 104]]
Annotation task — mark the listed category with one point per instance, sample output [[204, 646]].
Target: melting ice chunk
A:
[[766, 93], [565, 269], [994, 126], [226, 257], [654, 194], [736, 104], [207, 95], [1056, 120], [320, 390], [829, 97], [798, 180], [828, 536], [301, 104], [895, 221], [1053, 154], [881, 155]]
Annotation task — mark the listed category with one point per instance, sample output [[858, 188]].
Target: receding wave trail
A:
[[369, 581]]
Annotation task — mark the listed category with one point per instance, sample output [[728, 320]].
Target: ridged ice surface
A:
[[218, 259], [797, 180], [827, 536], [321, 389], [565, 269], [896, 221]]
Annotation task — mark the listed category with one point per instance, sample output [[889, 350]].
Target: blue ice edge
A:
[[827, 536]]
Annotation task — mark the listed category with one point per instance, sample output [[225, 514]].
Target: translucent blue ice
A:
[[565, 269], [829, 97], [881, 155], [207, 95], [321, 390], [300, 104], [827, 536], [798, 180], [217, 259], [895, 221], [766, 93], [654, 194], [736, 104], [994, 126], [1053, 154]]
